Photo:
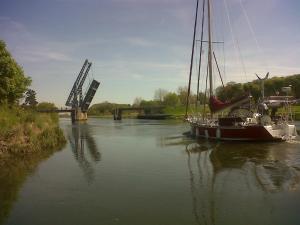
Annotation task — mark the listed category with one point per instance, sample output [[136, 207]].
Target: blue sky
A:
[[138, 46]]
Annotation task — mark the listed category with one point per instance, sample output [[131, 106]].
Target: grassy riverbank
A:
[[25, 131]]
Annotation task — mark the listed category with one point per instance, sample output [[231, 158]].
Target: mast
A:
[[192, 59], [209, 50], [200, 57]]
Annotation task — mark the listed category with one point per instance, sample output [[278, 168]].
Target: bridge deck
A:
[[56, 110]]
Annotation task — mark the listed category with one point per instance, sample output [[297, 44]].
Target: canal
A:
[[142, 172]]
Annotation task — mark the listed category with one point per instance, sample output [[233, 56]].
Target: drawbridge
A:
[[77, 100]]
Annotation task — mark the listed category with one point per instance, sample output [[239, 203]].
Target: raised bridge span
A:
[[78, 102]]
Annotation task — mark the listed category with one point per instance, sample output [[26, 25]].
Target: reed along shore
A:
[[24, 131]]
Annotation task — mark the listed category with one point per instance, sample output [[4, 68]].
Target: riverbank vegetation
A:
[[173, 103], [22, 129], [26, 131]]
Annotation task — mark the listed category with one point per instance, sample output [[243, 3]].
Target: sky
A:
[[138, 46]]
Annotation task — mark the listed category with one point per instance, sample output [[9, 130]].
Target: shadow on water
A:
[[14, 171], [83, 143], [218, 168]]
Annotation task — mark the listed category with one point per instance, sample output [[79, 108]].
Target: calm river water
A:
[[140, 172]]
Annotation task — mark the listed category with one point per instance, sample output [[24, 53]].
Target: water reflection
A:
[[217, 170], [273, 165], [82, 142], [14, 170]]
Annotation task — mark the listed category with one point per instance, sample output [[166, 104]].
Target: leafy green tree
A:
[[13, 82], [150, 103], [45, 106], [171, 99], [30, 98], [105, 108], [231, 91], [273, 86], [202, 98], [182, 94]]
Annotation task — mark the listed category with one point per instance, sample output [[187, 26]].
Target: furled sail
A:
[[216, 105]]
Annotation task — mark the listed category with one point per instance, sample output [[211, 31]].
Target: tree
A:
[[231, 91], [137, 101], [30, 98], [171, 99], [202, 98], [13, 82], [182, 94], [159, 94], [45, 106]]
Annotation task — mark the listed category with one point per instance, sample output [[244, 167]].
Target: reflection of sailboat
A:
[[80, 141], [216, 171], [268, 164], [202, 195], [230, 182]]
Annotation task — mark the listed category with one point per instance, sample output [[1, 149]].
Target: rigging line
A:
[[218, 69], [192, 59], [201, 48], [224, 62], [223, 22], [235, 40], [210, 70], [205, 94], [253, 33]]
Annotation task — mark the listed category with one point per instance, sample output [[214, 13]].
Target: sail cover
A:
[[216, 105]]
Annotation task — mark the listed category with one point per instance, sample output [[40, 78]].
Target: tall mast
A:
[[209, 50], [192, 59], [201, 48]]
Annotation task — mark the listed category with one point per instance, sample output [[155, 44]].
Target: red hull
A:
[[234, 133]]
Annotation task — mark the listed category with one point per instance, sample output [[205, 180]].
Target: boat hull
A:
[[234, 133]]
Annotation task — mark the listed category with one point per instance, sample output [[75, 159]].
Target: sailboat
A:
[[254, 125]]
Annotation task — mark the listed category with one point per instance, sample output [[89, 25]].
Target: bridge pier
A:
[[118, 114], [78, 115]]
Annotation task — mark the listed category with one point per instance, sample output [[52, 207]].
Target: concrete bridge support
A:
[[78, 115], [118, 114]]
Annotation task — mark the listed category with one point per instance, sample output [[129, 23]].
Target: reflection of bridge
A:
[[82, 142], [146, 110]]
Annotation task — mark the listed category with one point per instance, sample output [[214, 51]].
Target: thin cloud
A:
[[138, 41], [29, 47]]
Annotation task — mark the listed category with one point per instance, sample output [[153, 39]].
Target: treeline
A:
[[161, 97], [105, 108], [273, 86], [177, 100], [231, 91], [166, 98]]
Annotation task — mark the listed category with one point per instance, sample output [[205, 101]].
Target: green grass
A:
[[24, 130], [296, 110]]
